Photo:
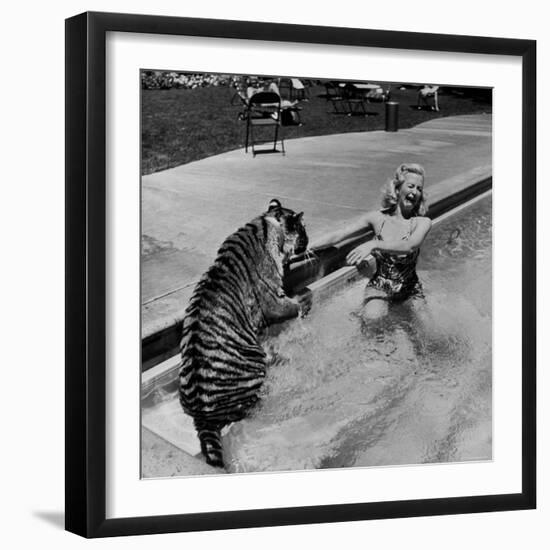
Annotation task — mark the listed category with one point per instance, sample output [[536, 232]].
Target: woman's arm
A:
[[401, 246], [330, 239]]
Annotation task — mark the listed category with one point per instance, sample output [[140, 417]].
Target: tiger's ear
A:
[[273, 204], [275, 209], [299, 216]]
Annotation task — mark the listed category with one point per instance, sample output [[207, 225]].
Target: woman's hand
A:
[[361, 253]]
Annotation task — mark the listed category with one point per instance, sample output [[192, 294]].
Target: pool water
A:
[[413, 388]]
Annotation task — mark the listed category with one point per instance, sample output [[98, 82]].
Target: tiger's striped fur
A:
[[222, 364]]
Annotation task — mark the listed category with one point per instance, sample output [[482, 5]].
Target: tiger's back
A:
[[223, 366]]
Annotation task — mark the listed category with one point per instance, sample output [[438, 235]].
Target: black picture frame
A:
[[86, 273]]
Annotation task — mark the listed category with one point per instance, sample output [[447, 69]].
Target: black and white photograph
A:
[[316, 273], [275, 275]]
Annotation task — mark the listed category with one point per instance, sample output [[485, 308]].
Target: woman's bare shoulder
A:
[[375, 216], [422, 223], [368, 218]]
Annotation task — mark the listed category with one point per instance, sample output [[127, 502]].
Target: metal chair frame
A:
[[425, 100], [355, 100], [264, 111], [336, 97]]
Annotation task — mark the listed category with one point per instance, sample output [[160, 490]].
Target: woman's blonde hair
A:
[[391, 189]]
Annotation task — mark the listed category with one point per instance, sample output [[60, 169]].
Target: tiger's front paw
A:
[[305, 302]]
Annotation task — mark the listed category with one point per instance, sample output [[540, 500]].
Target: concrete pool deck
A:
[[188, 210]]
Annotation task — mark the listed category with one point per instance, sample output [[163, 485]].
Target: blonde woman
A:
[[400, 228]]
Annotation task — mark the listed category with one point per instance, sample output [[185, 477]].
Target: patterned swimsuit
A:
[[396, 273]]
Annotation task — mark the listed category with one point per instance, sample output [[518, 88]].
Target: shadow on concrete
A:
[[57, 519]]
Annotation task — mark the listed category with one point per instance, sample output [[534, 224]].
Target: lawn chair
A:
[[294, 89], [355, 98], [426, 93], [297, 90], [263, 115], [378, 95], [335, 95]]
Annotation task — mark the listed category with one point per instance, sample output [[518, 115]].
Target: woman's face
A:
[[410, 193]]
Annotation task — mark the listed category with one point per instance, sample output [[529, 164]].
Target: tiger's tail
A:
[[211, 445]]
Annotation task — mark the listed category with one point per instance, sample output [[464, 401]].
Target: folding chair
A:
[[335, 95], [297, 90], [264, 113], [425, 93], [293, 88], [355, 99], [378, 95]]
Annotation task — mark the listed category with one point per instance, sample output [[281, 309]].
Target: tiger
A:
[[223, 365]]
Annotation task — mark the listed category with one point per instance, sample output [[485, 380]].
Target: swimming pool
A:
[[415, 388]]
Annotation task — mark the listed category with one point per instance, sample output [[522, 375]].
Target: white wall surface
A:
[[32, 274]]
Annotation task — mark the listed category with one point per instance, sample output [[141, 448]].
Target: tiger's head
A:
[[293, 238]]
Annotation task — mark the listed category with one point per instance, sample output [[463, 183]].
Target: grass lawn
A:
[[182, 125]]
